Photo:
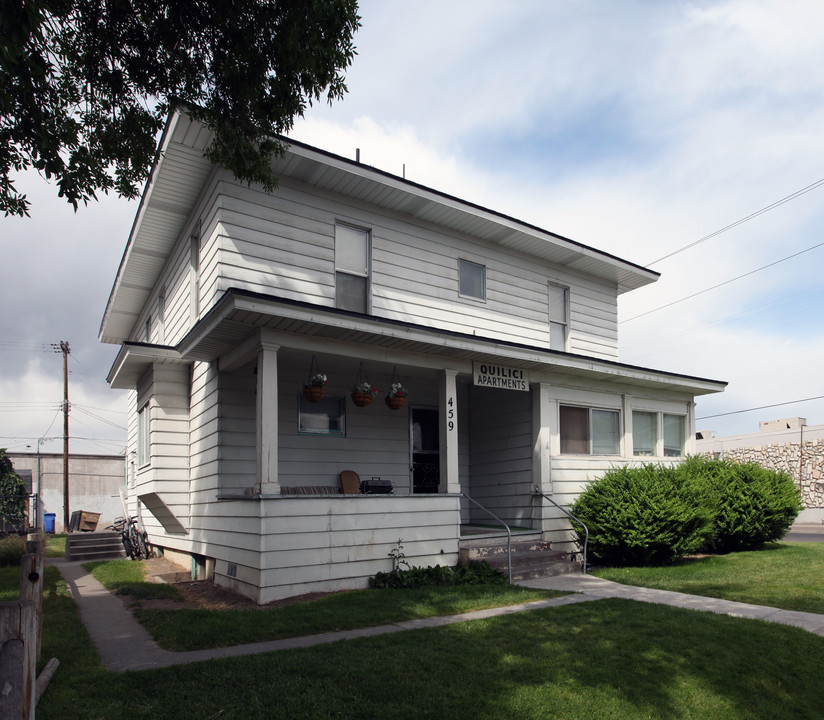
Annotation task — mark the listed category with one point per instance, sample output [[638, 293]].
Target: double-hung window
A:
[[351, 268], [674, 435], [644, 433], [590, 431], [558, 316], [471, 280], [143, 436]]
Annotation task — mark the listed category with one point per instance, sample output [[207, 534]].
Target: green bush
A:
[[643, 515], [750, 504], [12, 547], [476, 572]]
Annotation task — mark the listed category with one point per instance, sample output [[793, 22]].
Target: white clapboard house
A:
[[230, 299]]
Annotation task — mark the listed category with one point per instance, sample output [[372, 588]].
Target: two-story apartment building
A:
[[229, 300]]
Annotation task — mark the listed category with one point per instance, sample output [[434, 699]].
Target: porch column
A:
[[541, 407], [450, 482], [267, 418], [689, 440]]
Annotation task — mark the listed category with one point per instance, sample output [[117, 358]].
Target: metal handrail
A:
[[508, 534], [538, 491]]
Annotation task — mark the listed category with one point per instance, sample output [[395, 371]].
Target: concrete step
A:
[[94, 546], [531, 557]]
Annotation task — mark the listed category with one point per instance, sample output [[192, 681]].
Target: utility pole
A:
[[64, 348]]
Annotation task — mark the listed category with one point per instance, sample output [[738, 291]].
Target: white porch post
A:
[[540, 437], [450, 481], [267, 418], [689, 440]]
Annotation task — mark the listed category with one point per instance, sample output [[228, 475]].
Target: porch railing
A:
[[508, 534], [538, 491]]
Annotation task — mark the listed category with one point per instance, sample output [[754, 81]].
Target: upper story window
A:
[[590, 431], [471, 279], [351, 268], [558, 316]]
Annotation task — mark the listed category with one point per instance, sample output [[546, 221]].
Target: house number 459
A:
[[450, 414]]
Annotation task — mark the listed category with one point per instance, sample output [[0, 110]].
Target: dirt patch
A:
[[204, 593]]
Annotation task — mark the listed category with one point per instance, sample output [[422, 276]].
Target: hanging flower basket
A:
[[394, 403], [396, 395], [364, 391], [314, 387], [361, 399], [314, 394]]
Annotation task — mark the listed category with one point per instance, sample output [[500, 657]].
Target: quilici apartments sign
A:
[[500, 376]]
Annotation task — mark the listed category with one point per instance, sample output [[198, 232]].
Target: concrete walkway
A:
[[124, 644]]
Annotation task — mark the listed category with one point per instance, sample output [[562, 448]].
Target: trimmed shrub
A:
[[750, 504], [12, 548], [643, 515]]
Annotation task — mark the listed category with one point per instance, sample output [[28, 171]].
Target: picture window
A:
[[590, 431]]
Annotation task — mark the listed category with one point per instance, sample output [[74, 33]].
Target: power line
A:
[[763, 407], [777, 203], [726, 282]]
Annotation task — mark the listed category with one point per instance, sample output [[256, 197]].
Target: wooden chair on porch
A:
[[349, 483]]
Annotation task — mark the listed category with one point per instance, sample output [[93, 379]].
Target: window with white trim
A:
[[589, 431], [143, 436], [351, 268], [644, 433], [558, 316], [674, 435], [325, 417], [471, 279]]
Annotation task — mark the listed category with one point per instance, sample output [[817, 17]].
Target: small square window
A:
[[326, 417], [472, 279]]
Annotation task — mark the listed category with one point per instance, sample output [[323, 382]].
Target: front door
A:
[[426, 459]]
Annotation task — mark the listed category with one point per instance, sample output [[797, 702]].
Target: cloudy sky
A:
[[639, 128]]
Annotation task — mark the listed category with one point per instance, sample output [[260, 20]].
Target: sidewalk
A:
[[124, 644]]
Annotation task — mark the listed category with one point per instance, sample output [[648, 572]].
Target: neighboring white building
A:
[[95, 484], [788, 445], [505, 335]]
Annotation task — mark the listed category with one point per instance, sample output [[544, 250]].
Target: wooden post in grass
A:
[[18, 629], [31, 588]]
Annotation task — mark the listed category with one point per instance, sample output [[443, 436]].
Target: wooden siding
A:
[[320, 544], [283, 244], [164, 392], [501, 455]]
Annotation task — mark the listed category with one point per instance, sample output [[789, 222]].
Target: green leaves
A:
[[85, 87], [656, 514]]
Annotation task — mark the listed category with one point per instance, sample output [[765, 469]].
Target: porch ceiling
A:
[[240, 315]]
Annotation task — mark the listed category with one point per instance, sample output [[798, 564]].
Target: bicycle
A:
[[134, 541]]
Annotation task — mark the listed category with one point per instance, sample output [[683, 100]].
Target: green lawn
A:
[[610, 660], [782, 575], [187, 629]]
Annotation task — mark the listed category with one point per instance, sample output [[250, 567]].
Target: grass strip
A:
[[612, 659], [189, 629], [781, 575], [127, 577]]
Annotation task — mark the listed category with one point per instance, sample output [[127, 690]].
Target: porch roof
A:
[[181, 171], [234, 324]]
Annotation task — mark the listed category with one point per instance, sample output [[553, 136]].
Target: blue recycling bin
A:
[[48, 522]]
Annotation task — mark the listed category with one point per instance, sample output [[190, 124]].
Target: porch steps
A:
[[531, 556], [86, 547]]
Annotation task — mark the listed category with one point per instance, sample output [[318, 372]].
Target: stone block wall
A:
[[805, 465]]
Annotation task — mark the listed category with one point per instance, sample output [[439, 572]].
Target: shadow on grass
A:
[[607, 659]]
